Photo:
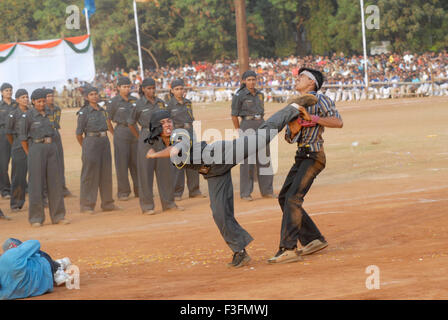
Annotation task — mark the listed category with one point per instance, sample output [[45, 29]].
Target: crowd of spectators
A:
[[390, 76]]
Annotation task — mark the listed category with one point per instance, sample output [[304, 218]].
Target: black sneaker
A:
[[240, 259]]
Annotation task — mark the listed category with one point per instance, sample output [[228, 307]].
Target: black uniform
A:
[[182, 115], [251, 109], [224, 155], [141, 114], [19, 165], [5, 147], [43, 167], [96, 172], [125, 146]]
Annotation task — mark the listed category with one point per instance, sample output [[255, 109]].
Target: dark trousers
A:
[[146, 169], [5, 156], [125, 155], [221, 202], [296, 223], [19, 170], [53, 264], [96, 173], [44, 172], [248, 171], [192, 181], [58, 141]]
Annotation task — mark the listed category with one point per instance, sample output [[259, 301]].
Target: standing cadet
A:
[[125, 143], [37, 137], [96, 172], [19, 165], [215, 162], [54, 114], [182, 116], [144, 109], [297, 225], [7, 104], [248, 103]]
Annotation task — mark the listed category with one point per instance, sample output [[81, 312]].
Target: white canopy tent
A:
[[48, 63]]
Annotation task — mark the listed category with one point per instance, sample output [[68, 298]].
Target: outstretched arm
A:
[[165, 153]]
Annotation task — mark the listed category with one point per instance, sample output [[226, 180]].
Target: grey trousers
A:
[[19, 171], [221, 202], [146, 169], [5, 156], [96, 173], [248, 171], [125, 155], [58, 141], [43, 170]]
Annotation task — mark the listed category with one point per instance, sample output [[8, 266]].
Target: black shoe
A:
[[2, 216], [240, 259]]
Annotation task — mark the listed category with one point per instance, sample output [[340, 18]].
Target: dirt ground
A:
[[382, 200]]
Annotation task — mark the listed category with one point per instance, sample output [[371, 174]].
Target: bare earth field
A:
[[382, 200]]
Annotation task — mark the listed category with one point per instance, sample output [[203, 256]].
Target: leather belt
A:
[[46, 140], [254, 117], [97, 134], [183, 125]]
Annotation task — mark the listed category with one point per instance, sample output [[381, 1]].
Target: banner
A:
[[50, 63]]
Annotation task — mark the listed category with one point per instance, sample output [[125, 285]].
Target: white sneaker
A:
[[60, 277], [64, 262]]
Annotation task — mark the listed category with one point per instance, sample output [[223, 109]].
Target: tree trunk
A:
[[152, 57]]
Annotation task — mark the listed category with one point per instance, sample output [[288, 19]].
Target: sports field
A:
[[382, 200]]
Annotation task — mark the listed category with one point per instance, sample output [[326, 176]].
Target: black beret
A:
[[249, 73], [48, 91], [155, 127], [5, 86], [317, 74], [122, 81], [148, 82], [21, 92], [88, 89], [38, 94], [177, 83]]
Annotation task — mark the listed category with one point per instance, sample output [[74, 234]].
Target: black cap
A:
[[249, 73], [177, 83], [21, 92], [5, 86], [38, 94], [149, 82], [317, 74], [122, 81]]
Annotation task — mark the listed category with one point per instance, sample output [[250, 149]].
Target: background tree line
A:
[[175, 32]]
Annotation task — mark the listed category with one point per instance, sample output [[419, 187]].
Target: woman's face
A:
[[125, 89], [23, 100], [149, 91], [7, 93], [39, 104], [178, 92], [93, 97], [167, 126], [50, 99]]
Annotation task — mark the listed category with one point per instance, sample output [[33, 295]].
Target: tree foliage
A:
[[175, 32]]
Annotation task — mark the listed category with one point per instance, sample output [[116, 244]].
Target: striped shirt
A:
[[312, 136]]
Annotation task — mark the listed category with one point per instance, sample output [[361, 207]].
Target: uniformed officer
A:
[[182, 115], [216, 169], [19, 165], [297, 225], [141, 114], [7, 104], [37, 137], [248, 103], [125, 143], [96, 172], [54, 114]]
